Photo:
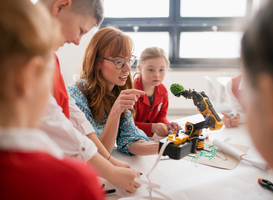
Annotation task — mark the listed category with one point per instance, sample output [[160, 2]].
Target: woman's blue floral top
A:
[[127, 132]]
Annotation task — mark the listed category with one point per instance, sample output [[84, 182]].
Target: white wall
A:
[[70, 57]]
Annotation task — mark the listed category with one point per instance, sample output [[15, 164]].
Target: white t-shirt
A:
[[28, 140], [233, 102], [69, 134]]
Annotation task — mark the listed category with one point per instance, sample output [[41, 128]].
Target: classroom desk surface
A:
[[182, 179]]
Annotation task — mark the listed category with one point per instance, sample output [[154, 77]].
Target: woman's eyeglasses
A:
[[120, 63]]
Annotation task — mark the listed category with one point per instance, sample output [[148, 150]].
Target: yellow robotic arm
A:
[[192, 140]]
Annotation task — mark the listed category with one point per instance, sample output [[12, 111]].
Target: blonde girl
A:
[[151, 108]]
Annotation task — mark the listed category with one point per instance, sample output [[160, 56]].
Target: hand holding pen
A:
[[108, 191]]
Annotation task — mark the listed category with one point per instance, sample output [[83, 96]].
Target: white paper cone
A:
[[240, 155]]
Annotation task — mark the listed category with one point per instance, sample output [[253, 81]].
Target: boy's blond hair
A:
[[84, 7]]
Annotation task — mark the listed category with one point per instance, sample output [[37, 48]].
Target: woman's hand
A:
[[160, 129], [126, 100], [143, 148]]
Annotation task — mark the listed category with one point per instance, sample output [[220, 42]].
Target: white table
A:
[[181, 179]]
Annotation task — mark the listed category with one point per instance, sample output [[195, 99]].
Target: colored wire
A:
[[207, 154]]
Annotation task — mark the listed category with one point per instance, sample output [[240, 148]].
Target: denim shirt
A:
[[128, 132]]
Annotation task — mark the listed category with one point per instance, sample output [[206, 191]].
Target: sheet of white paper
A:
[[240, 155]]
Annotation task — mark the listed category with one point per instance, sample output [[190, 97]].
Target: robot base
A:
[[177, 151]]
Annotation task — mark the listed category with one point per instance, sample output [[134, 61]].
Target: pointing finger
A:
[[226, 115], [134, 91]]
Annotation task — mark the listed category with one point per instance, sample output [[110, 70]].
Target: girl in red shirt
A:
[[151, 109]]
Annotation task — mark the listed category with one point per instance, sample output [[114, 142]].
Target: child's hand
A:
[[234, 121], [119, 163], [173, 128], [126, 100], [230, 121], [124, 178], [160, 129], [226, 119]]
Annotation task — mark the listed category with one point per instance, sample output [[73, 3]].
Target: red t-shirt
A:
[[60, 92], [39, 176]]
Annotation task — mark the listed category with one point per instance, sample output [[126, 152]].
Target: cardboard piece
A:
[[221, 160]]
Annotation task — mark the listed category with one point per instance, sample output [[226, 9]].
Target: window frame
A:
[[175, 24]]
